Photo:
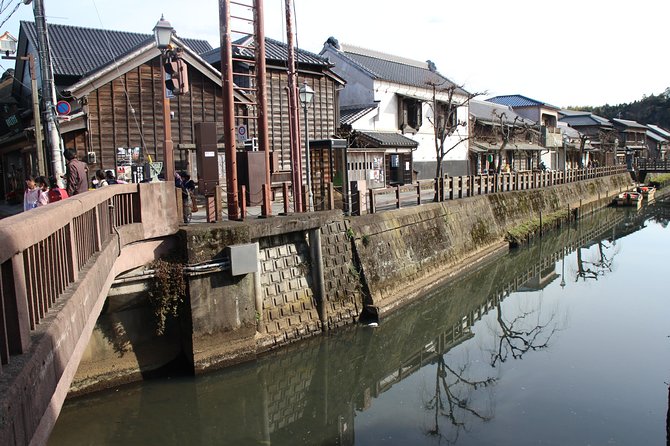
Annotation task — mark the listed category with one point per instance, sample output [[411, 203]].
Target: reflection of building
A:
[[540, 280]]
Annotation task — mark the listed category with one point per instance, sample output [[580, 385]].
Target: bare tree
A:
[[517, 337], [445, 118], [508, 131], [452, 403], [598, 267]]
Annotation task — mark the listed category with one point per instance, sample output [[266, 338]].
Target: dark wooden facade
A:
[[128, 112]]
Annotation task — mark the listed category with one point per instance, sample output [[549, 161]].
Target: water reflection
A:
[[335, 389]]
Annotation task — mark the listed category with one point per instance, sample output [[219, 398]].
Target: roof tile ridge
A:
[[383, 56]]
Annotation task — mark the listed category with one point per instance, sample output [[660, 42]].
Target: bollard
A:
[[331, 196], [266, 207], [397, 196], [418, 193], [284, 191], [373, 205]]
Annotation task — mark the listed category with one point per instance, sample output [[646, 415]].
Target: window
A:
[[409, 114]]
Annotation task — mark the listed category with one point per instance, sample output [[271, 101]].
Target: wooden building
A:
[[322, 113]]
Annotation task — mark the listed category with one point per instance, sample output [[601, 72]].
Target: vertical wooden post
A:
[[318, 276], [284, 191], [331, 196], [373, 205], [243, 202], [397, 196], [418, 193]]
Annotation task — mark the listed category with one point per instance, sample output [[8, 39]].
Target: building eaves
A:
[[387, 139], [656, 137], [351, 114], [492, 113]]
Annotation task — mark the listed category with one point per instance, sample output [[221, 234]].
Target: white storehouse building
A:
[[386, 96]]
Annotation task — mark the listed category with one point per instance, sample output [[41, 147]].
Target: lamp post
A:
[[163, 33], [306, 95]]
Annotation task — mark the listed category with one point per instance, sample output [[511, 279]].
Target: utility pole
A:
[[293, 118], [48, 91]]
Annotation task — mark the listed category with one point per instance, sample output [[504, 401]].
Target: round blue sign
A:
[[63, 108]]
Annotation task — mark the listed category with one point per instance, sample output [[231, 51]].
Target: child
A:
[[31, 194], [43, 194], [56, 193]]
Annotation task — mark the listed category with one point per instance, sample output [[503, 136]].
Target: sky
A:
[[565, 53]]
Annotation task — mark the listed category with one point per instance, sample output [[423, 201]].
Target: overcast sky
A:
[[569, 52]]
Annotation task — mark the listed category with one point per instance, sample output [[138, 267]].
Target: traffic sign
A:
[[63, 108]]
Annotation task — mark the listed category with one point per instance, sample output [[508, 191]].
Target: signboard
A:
[[241, 133], [63, 107]]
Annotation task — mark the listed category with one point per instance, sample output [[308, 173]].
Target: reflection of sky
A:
[[600, 381]]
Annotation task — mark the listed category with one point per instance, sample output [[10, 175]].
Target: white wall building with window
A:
[[395, 94]]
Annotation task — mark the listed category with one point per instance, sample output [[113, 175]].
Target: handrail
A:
[[46, 249], [450, 188]]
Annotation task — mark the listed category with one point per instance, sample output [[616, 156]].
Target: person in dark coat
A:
[[76, 174]]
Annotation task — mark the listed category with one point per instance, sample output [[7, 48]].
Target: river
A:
[[564, 342]]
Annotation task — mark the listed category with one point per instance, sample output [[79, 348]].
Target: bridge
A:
[[645, 166], [57, 264]]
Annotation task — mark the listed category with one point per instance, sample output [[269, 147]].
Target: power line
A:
[[11, 13]]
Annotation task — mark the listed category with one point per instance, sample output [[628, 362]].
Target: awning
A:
[[385, 140]]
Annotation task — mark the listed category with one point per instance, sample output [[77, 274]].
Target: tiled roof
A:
[[517, 100], [77, 51], [387, 139], [274, 51], [395, 69], [628, 123], [655, 137], [585, 119], [351, 114], [490, 112], [660, 131]]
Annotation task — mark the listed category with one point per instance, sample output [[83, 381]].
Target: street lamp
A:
[[163, 33], [306, 95]]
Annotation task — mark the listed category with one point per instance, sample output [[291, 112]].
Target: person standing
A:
[[56, 193], [76, 173], [43, 195], [100, 177], [31, 194]]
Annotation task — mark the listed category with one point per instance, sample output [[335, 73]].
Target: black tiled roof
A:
[[77, 51], [274, 51], [491, 112], [387, 139], [350, 114], [402, 71]]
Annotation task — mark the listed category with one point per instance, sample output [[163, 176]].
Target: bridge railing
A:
[[648, 165], [450, 188], [44, 250]]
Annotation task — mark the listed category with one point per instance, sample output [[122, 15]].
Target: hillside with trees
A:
[[654, 109]]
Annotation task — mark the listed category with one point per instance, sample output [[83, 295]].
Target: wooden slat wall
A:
[[116, 120]]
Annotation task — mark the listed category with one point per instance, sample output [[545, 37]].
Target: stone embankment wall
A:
[[375, 262], [405, 252]]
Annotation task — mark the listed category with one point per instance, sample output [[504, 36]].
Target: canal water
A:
[[564, 342]]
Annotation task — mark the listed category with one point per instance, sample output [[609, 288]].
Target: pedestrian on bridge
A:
[[76, 173]]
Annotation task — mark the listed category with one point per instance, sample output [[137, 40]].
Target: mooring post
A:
[[317, 275]]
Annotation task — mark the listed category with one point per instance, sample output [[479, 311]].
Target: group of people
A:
[[39, 191]]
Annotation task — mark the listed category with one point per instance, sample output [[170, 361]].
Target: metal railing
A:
[[45, 249], [450, 188]]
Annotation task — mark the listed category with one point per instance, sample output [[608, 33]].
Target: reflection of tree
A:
[[598, 267], [451, 400], [517, 338]]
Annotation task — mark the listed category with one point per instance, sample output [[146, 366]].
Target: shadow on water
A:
[[311, 392]]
